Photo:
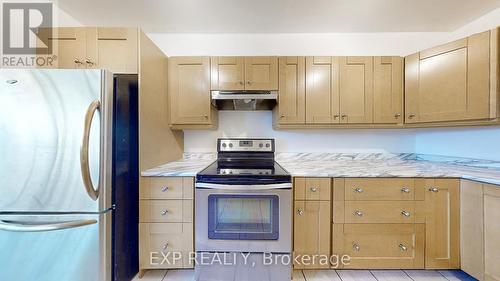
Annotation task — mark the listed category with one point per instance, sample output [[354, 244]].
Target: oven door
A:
[[243, 220]]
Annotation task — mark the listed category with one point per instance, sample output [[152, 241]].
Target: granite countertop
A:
[[353, 165]]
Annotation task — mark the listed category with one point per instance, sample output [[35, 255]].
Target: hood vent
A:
[[244, 100]]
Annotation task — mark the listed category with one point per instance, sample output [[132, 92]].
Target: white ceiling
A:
[[280, 16]]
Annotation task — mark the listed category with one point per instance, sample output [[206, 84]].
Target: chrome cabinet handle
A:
[[336, 116], [205, 116], [434, 189], [403, 248], [397, 115], [88, 61], [343, 116], [314, 189], [405, 213], [300, 212], [411, 116], [241, 83], [18, 226], [165, 246], [358, 213], [249, 82], [164, 189], [84, 152], [356, 247], [164, 212], [405, 190], [358, 190], [282, 116], [77, 61]]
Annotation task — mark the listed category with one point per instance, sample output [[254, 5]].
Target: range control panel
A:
[[246, 145]]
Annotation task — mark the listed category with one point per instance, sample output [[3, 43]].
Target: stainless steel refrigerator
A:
[[68, 175]]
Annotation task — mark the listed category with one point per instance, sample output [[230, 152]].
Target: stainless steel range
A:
[[243, 214]]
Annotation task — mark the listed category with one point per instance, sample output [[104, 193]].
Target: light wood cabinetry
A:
[[165, 221], [388, 90], [189, 91], [114, 49], [356, 90], [380, 245], [322, 94], [491, 233], [453, 82], [312, 220], [442, 223], [244, 73], [472, 229], [292, 91]]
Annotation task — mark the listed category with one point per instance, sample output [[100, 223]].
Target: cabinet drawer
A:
[[318, 189], [380, 245], [166, 211], [379, 189], [379, 212], [158, 238], [166, 188]]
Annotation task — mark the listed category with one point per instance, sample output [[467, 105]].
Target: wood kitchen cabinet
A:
[[292, 90], [322, 95], [114, 49], [189, 92], [356, 90], [388, 90], [491, 232], [472, 229], [453, 82], [442, 223], [244, 73], [312, 210]]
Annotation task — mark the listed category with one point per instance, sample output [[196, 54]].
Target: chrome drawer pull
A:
[[358, 213], [165, 246], [405, 213], [356, 247], [164, 212], [403, 248], [405, 190], [358, 190], [433, 189], [314, 189], [165, 188], [300, 212]]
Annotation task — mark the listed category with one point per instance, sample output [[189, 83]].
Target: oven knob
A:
[[224, 145], [230, 145], [267, 145], [261, 145]]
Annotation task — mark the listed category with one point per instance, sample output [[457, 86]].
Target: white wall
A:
[[481, 143], [258, 124]]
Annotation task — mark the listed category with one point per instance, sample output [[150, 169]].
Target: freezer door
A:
[[48, 248], [55, 140]]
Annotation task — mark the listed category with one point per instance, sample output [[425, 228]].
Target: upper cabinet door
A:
[[388, 90], [261, 73], [68, 45], [228, 73], [189, 90], [292, 80], [450, 82], [322, 95], [114, 49], [356, 89]]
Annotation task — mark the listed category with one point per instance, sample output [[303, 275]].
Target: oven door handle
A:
[[243, 187]]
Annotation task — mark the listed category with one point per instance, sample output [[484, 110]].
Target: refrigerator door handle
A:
[[18, 226], [84, 151]]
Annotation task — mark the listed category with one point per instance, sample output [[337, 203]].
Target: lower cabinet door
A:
[[379, 245], [312, 234], [442, 223], [165, 245], [491, 233]]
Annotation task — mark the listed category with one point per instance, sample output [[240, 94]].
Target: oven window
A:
[[243, 217]]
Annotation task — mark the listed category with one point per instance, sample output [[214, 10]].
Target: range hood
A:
[[244, 100]]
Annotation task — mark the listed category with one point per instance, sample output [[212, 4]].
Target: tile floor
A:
[[333, 275]]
